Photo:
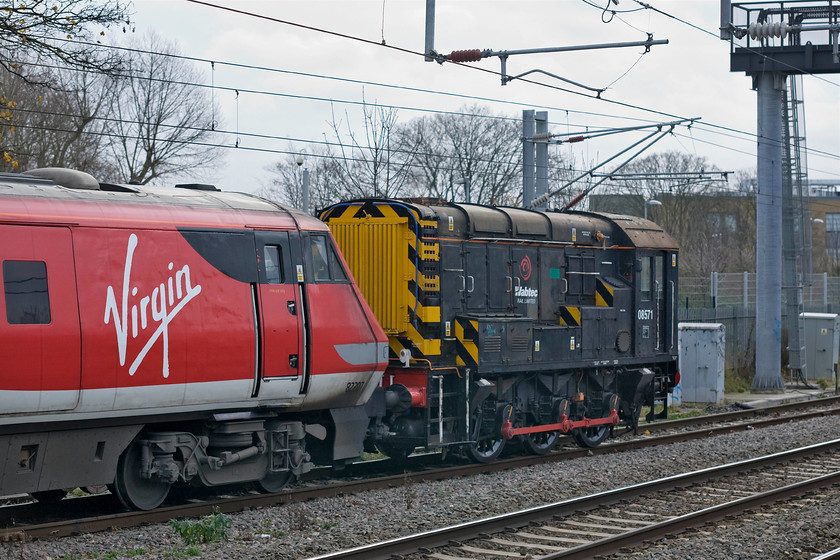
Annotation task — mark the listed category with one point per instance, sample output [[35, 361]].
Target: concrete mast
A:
[[768, 265]]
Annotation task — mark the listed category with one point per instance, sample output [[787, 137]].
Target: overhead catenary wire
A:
[[715, 128], [706, 124], [548, 196], [618, 103], [709, 125]]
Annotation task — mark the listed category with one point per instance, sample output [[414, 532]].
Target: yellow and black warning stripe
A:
[[466, 334], [604, 294], [569, 316]]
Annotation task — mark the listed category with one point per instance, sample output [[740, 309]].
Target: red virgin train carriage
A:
[[150, 336]]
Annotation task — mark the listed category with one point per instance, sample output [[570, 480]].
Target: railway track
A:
[[96, 513], [609, 521]]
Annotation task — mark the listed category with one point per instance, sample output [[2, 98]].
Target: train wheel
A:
[[486, 449], [488, 438], [133, 491], [540, 443], [273, 482], [590, 437]]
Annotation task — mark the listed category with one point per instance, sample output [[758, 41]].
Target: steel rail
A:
[[90, 524], [470, 530], [830, 555], [693, 520]]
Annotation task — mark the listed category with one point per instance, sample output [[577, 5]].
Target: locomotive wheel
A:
[[590, 437], [486, 449], [273, 482], [488, 446], [135, 492], [540, 443]]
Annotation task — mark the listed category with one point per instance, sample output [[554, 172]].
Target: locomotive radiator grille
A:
[[395, 271], [376, 280]]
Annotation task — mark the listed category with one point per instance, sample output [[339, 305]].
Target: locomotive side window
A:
[[658, 276], [274, 273], [645, 278], [27, 297]]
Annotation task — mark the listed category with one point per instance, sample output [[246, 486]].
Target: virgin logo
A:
[[162, 305]]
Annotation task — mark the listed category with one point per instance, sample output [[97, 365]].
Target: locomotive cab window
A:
[[326, 265], [645, 278], [27, 297]]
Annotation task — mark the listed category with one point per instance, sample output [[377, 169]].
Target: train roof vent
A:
[[69, 178], [111, 187], [197, 187]]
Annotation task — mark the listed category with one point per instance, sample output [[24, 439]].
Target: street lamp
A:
[[466, 182], [305, 188], [651, 202]]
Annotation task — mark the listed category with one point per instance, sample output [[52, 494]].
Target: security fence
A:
[[820, 292], [729, 298]]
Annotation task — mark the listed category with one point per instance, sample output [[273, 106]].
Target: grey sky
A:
[[689, 77]]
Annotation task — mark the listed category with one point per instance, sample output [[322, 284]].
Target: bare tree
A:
[[373, 163], [472, 151], [162, 122], [34, 29], [706, 218], [286, 184], [60, 126]]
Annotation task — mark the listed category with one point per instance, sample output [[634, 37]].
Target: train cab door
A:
[[648, 304], [39, 320], [280, 317], [659, 298]]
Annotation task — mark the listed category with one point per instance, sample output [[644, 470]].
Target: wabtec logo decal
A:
[[165, 302], [526, 295]]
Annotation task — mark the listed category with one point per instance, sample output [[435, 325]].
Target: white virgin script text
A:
[[177, 290]]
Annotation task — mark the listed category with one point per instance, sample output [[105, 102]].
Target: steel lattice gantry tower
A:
[[771, 41]]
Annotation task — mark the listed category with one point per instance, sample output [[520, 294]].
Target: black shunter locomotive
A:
[[505, 323]]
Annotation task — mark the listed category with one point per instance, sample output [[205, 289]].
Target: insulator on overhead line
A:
[[541, 137], [575, 200], [769, 29], [469, 55], [574, 139]]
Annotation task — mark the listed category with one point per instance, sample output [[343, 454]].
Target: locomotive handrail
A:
[[673, 305]]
